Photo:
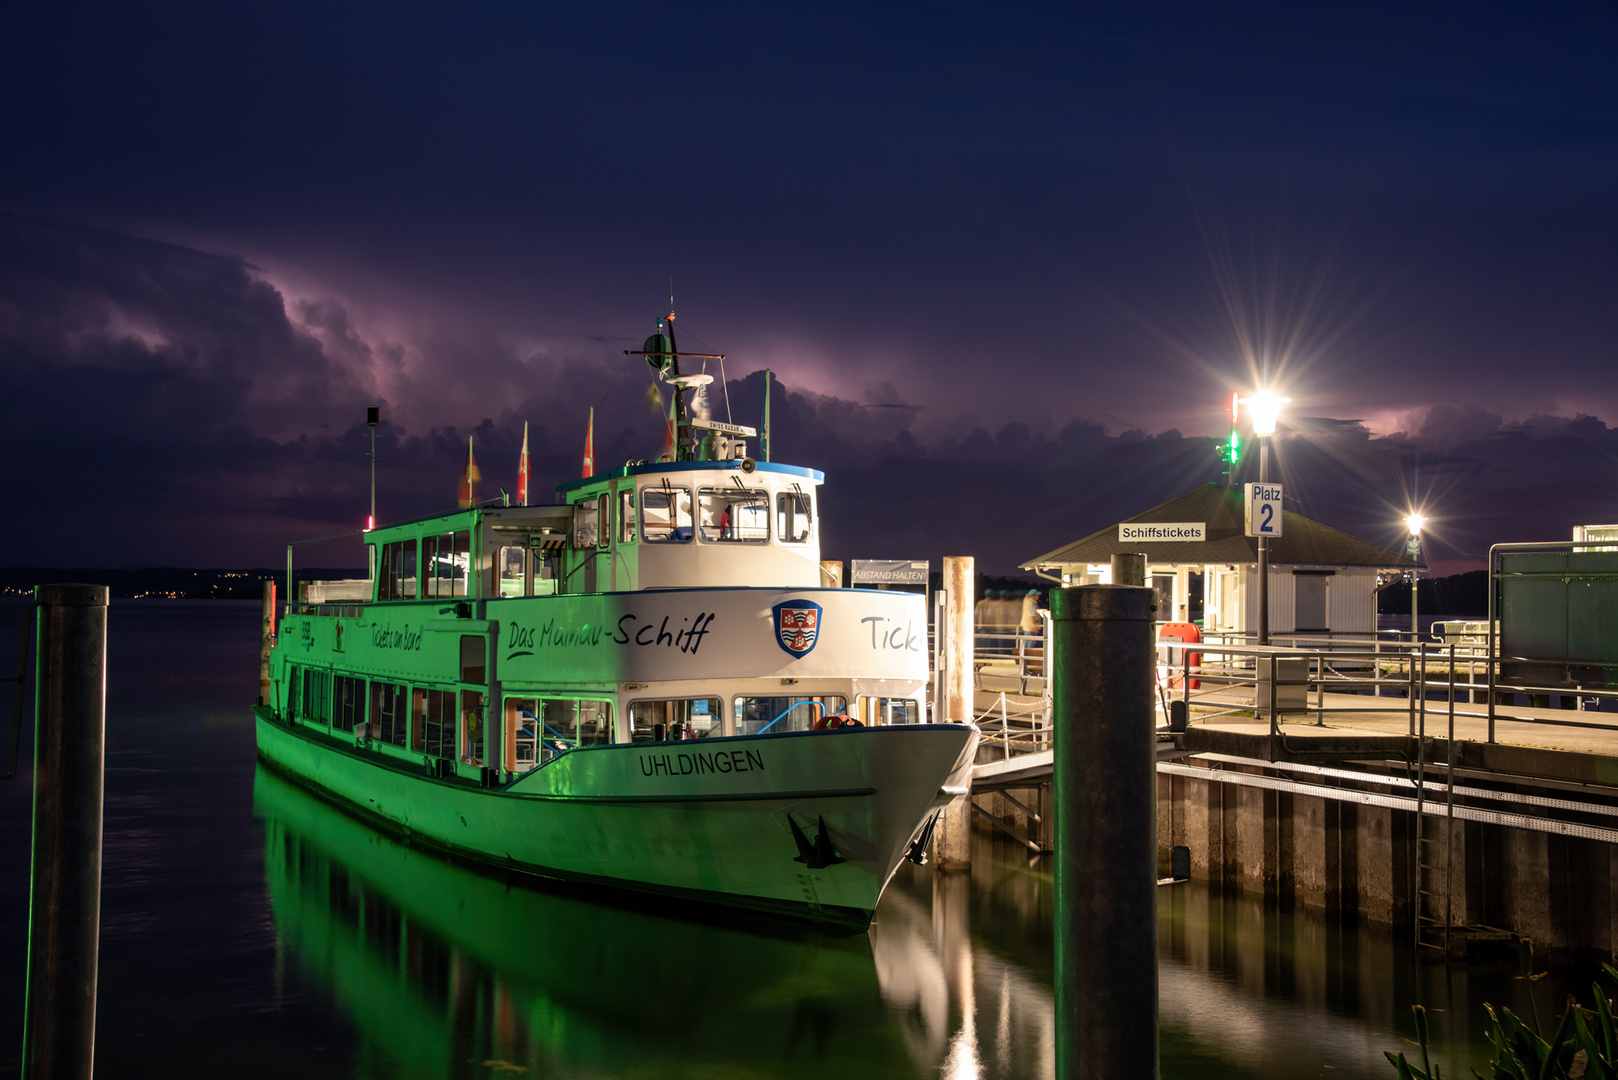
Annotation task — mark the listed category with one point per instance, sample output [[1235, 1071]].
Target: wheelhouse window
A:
[[683, 718], [666, 515], [448, 562], [348, 710], [626, 517], [734, 514], [794, 519], [397, 578], [756, 715], [588, 521], [390, 712]]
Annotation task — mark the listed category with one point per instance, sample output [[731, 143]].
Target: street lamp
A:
[[1266, 409], [1414, 522]]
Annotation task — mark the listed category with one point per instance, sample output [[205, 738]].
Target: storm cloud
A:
[[170, 406]]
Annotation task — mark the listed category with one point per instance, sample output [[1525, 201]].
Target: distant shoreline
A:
[[162, 583]]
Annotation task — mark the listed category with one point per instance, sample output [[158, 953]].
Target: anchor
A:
[[818, 855], [917, 851]]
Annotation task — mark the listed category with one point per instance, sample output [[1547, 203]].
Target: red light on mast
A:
[[1235, 406], [370, 522]]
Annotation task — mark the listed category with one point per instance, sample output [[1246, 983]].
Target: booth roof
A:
[[1303, 541]]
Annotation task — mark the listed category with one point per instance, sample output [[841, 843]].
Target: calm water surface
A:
[[252, 931]]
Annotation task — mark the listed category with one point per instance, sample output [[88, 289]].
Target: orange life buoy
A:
[[1189, 633]]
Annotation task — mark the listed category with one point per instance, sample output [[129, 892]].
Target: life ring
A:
[[836, 720], [1175, 673]]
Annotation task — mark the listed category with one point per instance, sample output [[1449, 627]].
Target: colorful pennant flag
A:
[[469, 478], [590, 445], [668, 453], [522, 469]]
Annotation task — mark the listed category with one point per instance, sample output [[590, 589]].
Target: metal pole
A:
[[1264, 550], [1106, 836], [1489, 658], [64, 917]]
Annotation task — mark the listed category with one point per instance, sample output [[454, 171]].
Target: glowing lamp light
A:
[[370, 522], [1414, 523], [1266, 408]]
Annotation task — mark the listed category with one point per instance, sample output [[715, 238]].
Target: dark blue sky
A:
[[1058, 235]]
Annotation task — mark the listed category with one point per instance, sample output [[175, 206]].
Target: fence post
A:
[[65, 906], [1106, 835]]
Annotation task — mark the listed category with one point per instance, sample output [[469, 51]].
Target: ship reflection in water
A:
[[447, 972]]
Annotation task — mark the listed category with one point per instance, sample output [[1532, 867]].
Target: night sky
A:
[[1007, 261]]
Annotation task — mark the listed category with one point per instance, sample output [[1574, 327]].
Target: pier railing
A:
[[1213, 680]]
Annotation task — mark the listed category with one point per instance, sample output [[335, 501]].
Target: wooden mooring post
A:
[[64, 914]]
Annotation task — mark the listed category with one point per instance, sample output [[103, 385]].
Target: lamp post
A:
[[1414, 522], [1266, 409]]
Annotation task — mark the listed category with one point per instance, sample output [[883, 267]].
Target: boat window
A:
[[734, 514], [665, 515], [316, 704], [433, 732], [626, 517], [398, 576], [793, 518], [447, 560], [755, 715], [512, 562], [604, 512], [687, 718], [389, 712], [586, 523], [472, 666], [472, 727], [888, 710], [349, 697], [294, 690], [543, 728], [581, 723]]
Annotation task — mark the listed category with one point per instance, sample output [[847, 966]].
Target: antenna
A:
[[671, 294]]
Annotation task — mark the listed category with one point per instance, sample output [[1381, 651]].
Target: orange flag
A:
[[470, 478], [668, 453], [522, 469], [590, 446]]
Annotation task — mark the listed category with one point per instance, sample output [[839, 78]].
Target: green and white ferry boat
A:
[[645, 686]]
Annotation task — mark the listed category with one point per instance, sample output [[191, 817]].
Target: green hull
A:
[[733, 821]]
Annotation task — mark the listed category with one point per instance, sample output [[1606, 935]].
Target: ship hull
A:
[[808, 824]]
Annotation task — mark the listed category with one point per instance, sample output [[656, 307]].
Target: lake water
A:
[[249, 930]]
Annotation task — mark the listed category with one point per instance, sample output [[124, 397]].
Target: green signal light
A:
[[1231, 450]]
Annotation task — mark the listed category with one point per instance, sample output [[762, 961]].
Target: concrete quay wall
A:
[[1350, 859]]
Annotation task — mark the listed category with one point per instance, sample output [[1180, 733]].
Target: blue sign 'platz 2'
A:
[[1263, 509]]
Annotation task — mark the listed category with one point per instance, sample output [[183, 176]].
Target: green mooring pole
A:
[[1106, 833], [64, 913]]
